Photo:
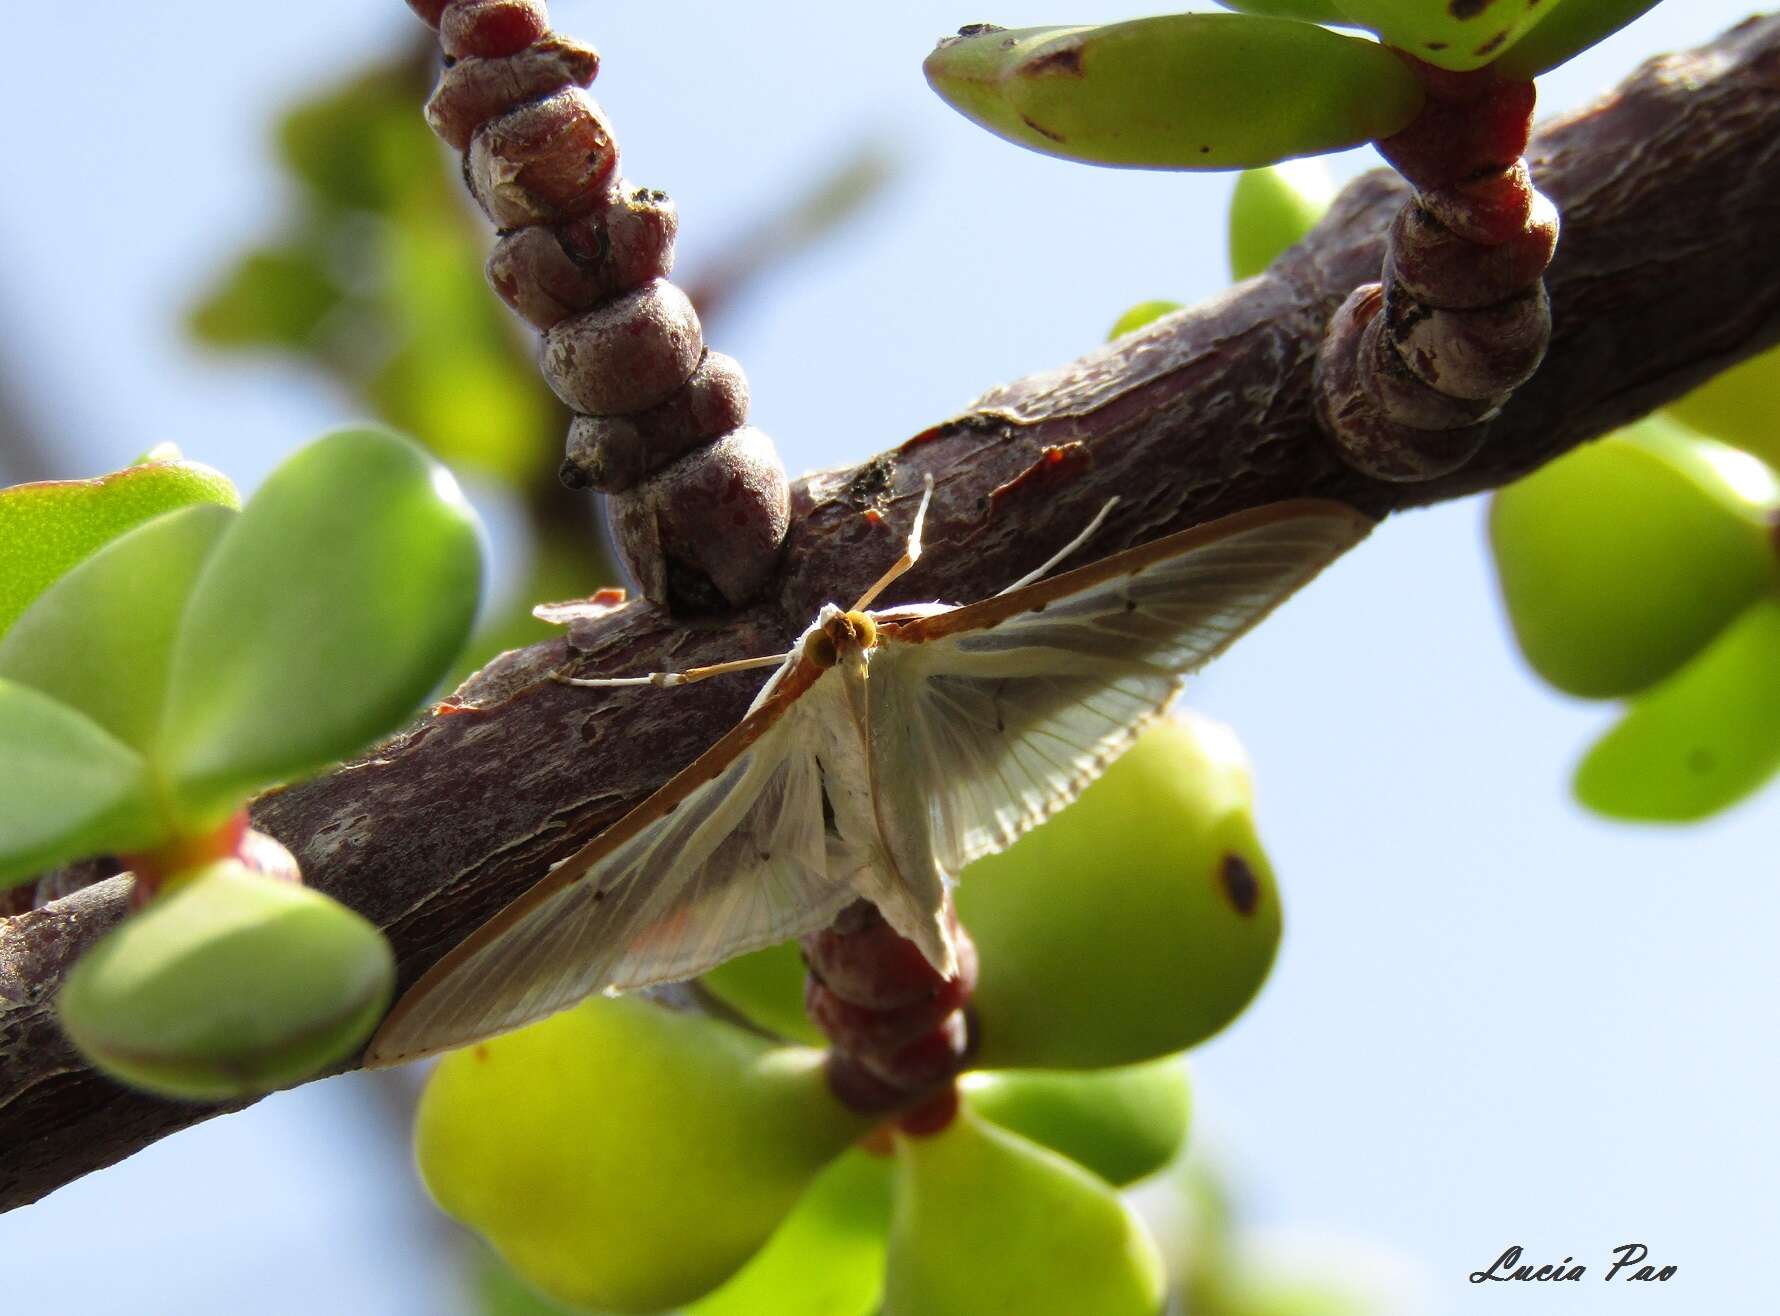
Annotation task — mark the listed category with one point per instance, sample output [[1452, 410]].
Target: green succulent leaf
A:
[[987, 1222], [230, 983], [1449, 34], [1570, 28], [1306, 11], [623, 1157], [1137, 922], [1622, 559], [101, 637], [1740, 406], [499, 1292], [1271, 209], [72, 789], [330, 608], [1704, 739], [767, 987], [46, 528], [1138, 316], [827, 1259], [1123, 1124], [1181, 91]]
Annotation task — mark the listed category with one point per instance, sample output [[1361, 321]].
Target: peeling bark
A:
[[1667, 273]]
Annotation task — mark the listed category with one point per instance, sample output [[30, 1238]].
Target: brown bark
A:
[[1667, 272]]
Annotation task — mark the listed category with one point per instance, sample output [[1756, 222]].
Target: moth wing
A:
[[729, 856], [1003, 711]]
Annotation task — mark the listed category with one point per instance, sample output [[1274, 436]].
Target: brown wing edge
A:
[[704, 768], [988, 612]]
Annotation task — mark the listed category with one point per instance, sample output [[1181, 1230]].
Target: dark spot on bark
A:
[[1040, 129], [599, 894], [1065, 63], [1130, 605], [1493, 43], [1040, 607], [876, 478], [665, 812], [1240, 884], [1463, 9]]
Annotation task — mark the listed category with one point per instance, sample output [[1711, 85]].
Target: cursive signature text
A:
[[1508, 1267]]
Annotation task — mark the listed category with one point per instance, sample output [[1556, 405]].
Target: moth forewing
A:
[[931, 737], [728, 856]]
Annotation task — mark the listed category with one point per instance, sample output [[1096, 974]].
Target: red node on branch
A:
[[1471, 125], [932, 1115], [1482, 354], [612, 453], [899, 1030], [1437, 267], [862, 959], [473, 91], [932, 1059], [1367, 439], [543, 162], [548, 273], [705, 532], [627, 355], [488, 29], [1489, 211], [1400, 395]]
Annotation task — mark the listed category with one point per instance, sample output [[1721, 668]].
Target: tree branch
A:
[[1666, 273]]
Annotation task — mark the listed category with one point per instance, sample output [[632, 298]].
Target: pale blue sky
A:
[[1494, 1019]]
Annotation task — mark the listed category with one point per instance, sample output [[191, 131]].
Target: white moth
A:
[[887, 751]]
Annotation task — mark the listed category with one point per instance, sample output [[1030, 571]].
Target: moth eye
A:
[[864, 628], [819, 649]]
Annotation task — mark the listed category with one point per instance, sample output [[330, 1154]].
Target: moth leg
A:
[[665, 679], [911, 553], [1062, 553]]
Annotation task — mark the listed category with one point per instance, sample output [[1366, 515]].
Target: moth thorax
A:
[[839, 635]]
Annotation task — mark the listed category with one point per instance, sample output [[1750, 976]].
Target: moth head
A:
[[840, 634]]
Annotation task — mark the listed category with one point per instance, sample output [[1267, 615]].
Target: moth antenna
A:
[[911, 552], [1062, 553], [665, 679]]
